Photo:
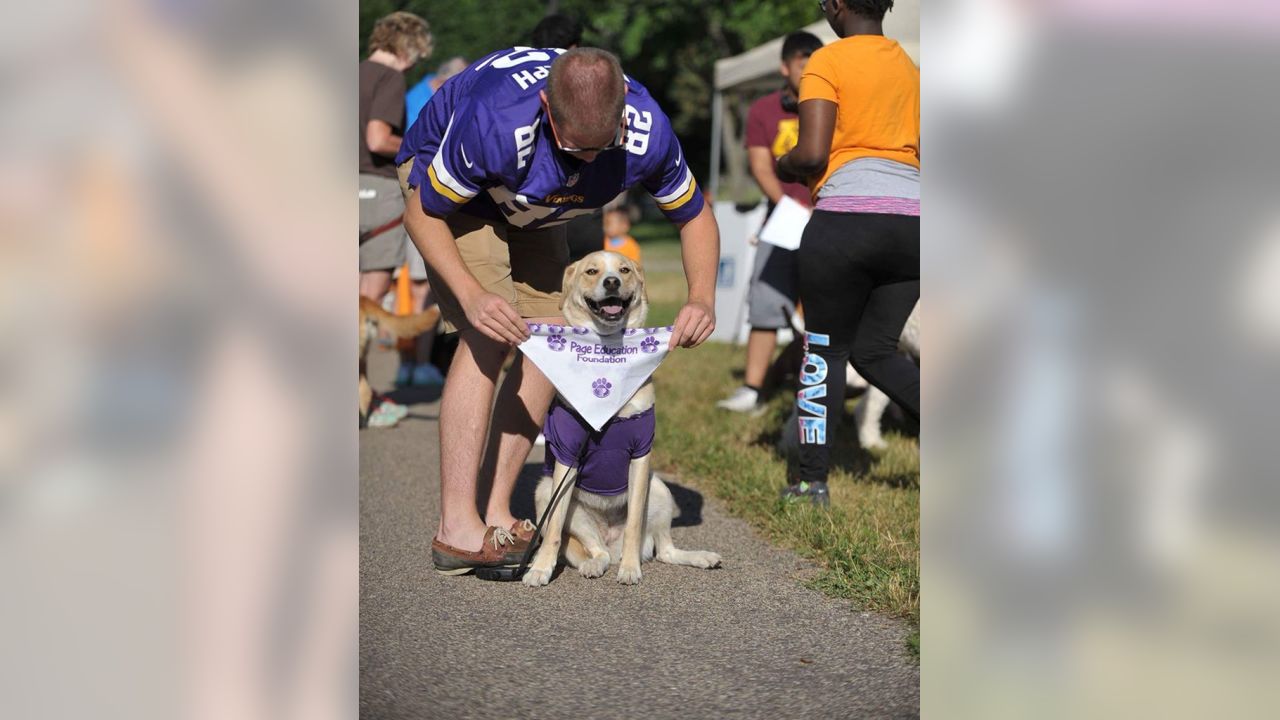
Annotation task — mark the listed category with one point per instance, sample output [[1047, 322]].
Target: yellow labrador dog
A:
[[605, 291]]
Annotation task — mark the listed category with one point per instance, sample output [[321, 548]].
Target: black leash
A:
[[507, 573], [368, 235]]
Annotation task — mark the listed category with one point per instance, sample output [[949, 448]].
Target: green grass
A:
[[867, 545]]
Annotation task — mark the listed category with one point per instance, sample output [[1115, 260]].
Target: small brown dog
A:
[[372, 316]]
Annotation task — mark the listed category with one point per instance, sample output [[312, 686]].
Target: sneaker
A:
[[387, 414], [499, 549], [812, 492], [400, 411], [427, 374], [383, 417], [404, 376], [744, 399]]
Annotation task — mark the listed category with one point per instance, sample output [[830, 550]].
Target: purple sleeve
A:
[[448, 168], [565, 435], [669, 181], [647, 426]]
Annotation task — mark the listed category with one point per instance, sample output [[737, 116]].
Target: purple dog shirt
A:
[[608, 453]]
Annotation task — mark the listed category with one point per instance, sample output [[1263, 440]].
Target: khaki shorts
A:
[[524, 267], [379, 204]]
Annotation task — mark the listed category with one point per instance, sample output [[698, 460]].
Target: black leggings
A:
[[859, 280]]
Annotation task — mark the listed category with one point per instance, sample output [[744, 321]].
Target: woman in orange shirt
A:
[[859, 257]]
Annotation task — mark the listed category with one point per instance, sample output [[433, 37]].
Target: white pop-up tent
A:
[[740, 80], [755, 72]]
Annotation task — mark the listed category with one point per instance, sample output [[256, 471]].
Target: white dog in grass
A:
[[618, 510]]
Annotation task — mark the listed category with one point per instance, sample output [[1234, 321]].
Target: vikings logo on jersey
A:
[[481, 145]]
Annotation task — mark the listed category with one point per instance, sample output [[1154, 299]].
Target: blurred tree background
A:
[[669, 46]]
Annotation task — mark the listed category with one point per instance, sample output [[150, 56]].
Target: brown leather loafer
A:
[[500, 548]]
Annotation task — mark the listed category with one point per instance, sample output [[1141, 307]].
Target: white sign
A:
[[734, 274], [786, 224]]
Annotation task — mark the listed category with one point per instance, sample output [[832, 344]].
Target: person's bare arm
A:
[[817, 125], [761, 161], [700, 253], [488, 313], [381, 139]]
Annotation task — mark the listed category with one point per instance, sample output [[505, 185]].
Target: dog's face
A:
[[605, 291]]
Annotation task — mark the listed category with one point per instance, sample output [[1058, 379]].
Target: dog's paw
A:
[[704, 559], [595, 567], [537, 577], [629, 575]]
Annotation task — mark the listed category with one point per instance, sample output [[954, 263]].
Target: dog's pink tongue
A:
[[612, 309]]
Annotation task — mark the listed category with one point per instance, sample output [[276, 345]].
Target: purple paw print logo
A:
[[650, 331], [580, 331], [649, 344], [555, 329], [534, 327], [557, 342], [601, 388], [629, 332]]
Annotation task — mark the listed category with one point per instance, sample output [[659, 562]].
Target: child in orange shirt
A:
[[617, 225]]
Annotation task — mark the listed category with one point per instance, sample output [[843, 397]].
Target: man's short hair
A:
[[586, 91], [403, 34], [557, 31], [800, 43], [873, 9]]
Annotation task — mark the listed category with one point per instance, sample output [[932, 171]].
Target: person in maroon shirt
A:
[[772, 130]]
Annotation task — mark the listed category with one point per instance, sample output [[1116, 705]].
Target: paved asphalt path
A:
[[744, 641]]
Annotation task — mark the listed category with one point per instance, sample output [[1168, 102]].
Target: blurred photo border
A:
[[179, 453]]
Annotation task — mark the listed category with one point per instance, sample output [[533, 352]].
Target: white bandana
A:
[[596, 374]]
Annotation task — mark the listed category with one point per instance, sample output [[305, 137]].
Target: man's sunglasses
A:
[[619, 138]]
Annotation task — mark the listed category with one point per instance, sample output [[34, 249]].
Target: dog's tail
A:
[[405, 326]]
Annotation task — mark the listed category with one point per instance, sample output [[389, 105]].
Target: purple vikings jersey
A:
[[483, 145]]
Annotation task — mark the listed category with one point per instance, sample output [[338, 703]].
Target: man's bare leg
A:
[[374, 284], [760, 345], [464, 423], [418, 292], [521, 407]]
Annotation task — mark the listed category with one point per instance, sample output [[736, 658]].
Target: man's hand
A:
[[496, 319], [694, 324]]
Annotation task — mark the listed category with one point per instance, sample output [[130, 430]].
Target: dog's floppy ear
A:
[[640, 309], [564, 283], [640, 276]]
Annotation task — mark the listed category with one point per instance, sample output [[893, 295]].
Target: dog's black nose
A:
[[612, 283]]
